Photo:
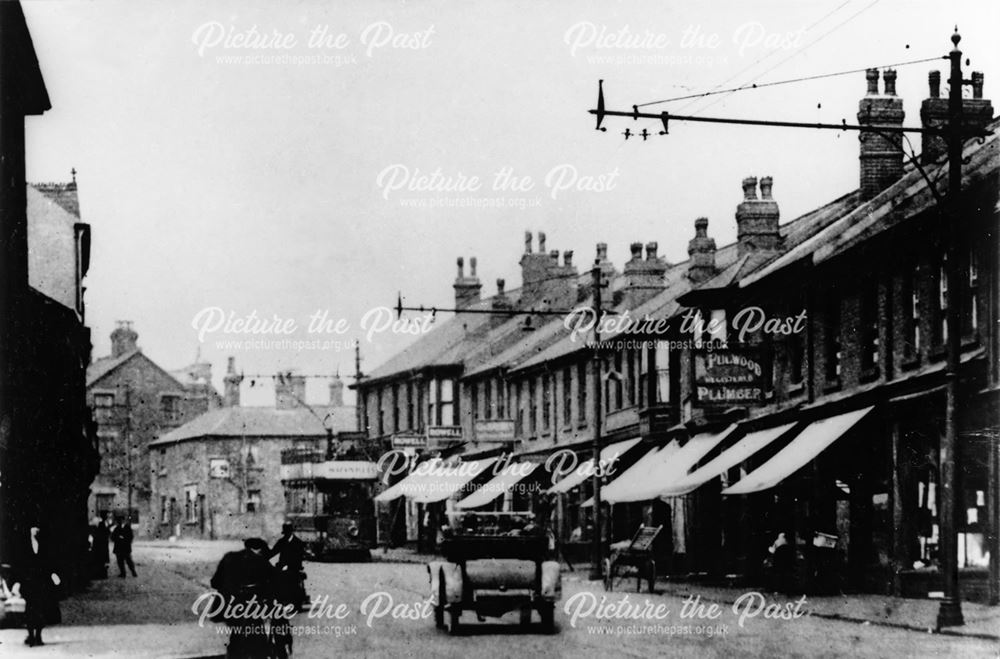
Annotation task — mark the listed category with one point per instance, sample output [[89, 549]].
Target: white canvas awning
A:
[[800, 451], [436, 480], [636, 479], [726, 460], [508, 477], [609, 455]]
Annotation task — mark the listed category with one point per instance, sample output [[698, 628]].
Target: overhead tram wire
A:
[[755, 62], [801, 50], [790, 81]]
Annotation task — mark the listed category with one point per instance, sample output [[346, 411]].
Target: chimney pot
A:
[[461, 266], [701, 227], [872, 76], [541, 242], [977, 84], [568, 258], [934, 82], [602, 251], [527, 242], [651, 248], [889, 76], [231, 385], [765, 187], [750, 188], [554, 255], [636, 251], [472, 266], [500, 286]]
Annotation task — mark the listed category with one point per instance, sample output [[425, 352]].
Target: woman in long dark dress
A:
[[38, 581]]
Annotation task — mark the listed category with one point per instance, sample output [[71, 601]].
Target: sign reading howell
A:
[[731, 377], [409, 440]]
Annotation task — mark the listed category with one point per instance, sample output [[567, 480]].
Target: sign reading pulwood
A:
[[731, 377]]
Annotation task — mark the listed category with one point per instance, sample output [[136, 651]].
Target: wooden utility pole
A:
[[596, 570]]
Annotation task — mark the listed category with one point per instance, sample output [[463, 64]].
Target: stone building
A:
[[219, 475], [134, 401], [47, 454]]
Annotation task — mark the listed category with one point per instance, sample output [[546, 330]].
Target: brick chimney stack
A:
[[757, 219], [231, 385], [543, 278], [336, 391], [881, 156], [467, 289], [643, 277], [976, 113], [123, 338], [289, 391], [701, 250]]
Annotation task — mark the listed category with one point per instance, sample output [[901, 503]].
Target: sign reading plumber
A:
[[731, 378]]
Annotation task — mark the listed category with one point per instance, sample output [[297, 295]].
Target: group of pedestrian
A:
[[248, 575], [121, 536]]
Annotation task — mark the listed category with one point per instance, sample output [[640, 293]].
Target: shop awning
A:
[[435, 480], [726, 460], [811, 442], [609, 455], [510, 476], [676, 465], [634, 481]]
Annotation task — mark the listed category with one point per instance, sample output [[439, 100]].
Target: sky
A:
[[309, 161]]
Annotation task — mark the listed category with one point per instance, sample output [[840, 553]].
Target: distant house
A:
[[134, 401], [218, 476]]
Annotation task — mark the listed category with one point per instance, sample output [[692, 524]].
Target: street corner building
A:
[[220, 474], [47, 453], [792, 385], [134, 401]]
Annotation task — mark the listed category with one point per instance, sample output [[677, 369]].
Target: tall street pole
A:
[[598, 539], [950, 609]]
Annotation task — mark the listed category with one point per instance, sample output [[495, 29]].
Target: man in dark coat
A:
[[38, 580], [291, 551], [99, 549], [243, 576], [121, 538]]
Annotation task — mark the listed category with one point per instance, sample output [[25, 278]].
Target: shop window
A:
[[796, 358], [432, 403], [973, 549], [927, 520]]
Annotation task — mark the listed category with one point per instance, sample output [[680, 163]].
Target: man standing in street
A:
[[243, 577], [291, 551], [121, 538]]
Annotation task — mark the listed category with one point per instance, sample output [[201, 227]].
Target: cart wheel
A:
[[608, 577], [439, 609], [652, 576], [547, 612], [454, 614]]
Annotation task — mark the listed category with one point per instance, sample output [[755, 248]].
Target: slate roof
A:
[[63, 194], [261, 422], [101, 367], [906, 198]]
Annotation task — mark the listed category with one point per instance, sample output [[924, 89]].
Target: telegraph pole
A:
[[597, 568], [128, 449], [950, 609]]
